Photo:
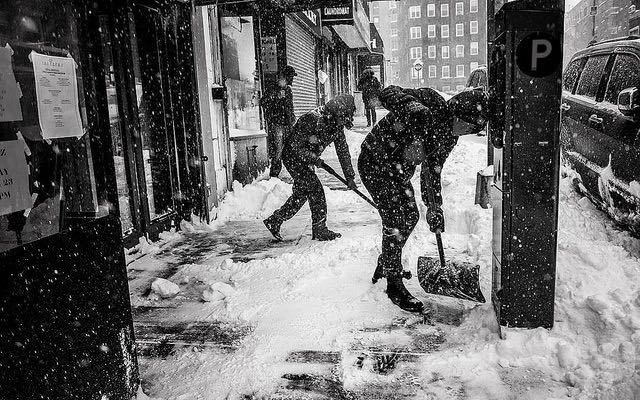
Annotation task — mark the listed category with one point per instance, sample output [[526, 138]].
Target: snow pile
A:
[[164, 288]]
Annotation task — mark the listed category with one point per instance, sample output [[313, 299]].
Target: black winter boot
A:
[[379, 272], [273, 225], [399, 294], [322, 233]]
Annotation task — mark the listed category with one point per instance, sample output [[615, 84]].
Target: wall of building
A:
[[414, 48]]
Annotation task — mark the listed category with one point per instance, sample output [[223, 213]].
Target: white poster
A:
[[14, 178], [57, 94], [10, 109]]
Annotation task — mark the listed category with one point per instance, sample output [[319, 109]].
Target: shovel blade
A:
[[460, 280]]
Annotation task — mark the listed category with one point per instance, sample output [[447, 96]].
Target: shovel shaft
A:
[[341, 179]]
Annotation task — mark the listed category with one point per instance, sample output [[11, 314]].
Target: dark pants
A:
[[275, 137], [396, 205], [306, 186], [370, 112]]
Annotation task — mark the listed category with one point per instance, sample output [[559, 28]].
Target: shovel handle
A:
[[341, 179]]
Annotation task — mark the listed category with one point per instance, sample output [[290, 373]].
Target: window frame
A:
[[433, 71], [473, 31], [442, 52], [418, 52], [429, 48], [459, 51], [448, 69], [444, 10], [459, 8], [415, 12], [442, 31], [458, 74], [417, 29], [472, 48], [459, 30], [599, 91], [609, 75], [431, 10], [472, 4]]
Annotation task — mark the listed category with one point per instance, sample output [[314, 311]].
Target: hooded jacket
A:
[[315, 130], [419, 121], [369, 85]]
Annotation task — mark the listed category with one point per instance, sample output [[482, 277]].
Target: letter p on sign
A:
[[538, 54]]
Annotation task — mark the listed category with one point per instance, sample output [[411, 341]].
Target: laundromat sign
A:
[[338, 15]]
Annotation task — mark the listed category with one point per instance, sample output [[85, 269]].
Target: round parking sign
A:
[[538, 54], [417, 66]]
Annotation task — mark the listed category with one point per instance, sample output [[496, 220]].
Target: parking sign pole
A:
[[525, 72]]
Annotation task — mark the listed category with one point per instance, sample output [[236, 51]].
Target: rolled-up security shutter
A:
[[301, 54]]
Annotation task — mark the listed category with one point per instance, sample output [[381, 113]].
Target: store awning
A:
[[351, 36], [287, 6]]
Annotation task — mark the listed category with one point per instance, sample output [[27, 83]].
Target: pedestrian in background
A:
[[313, 132], [369, 85], [278, 111]]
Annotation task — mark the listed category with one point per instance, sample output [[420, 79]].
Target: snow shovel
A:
[[456, 279], [341, 179]]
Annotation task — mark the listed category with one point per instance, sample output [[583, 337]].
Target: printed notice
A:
[[57, 94], [14, 178], [10, 109]]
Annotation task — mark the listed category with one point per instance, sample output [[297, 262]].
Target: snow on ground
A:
[[314, 296]]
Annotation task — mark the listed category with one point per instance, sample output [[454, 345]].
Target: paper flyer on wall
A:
[[57, 94], [14, 178], [10, 109]]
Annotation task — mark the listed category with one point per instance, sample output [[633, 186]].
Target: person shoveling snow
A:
[[311, 135], [421, 129]]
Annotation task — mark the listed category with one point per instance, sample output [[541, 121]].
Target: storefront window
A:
[[241, 74], [47, 177]]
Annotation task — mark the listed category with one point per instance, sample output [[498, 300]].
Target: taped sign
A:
[[14, 178], [539, 54]]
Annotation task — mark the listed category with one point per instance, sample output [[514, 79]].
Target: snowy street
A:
[[300, 319]]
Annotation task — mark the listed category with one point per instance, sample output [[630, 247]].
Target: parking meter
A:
[[525, 72]]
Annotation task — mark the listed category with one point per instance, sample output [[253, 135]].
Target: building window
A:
[[431, 10], [393, 17], [432, 71], [473, 27], [459, 88], [392, 5], [474, 48], [394, 43], [415, 12], [473, 7], [459, 8], [446, 88], [445, 72], [444, 31], [415, 53], [431, 51], [460, 50], [416, 32], [473, 65], [459, 71], [393, 32], [444, 10], [416, 74], [445, 51], [459, 30], [431, 31]]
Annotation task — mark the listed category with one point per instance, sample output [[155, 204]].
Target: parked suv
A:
[[600, 126]]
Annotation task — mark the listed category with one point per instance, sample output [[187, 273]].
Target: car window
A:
[[591, 76], [482, 79], [473, 80], [572, 73], [625, 74]]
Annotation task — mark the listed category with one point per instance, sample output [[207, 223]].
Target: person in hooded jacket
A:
[[313, 132], [370, 87], [420, 129]]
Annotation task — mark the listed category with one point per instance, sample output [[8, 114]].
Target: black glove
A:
[[435, 219]]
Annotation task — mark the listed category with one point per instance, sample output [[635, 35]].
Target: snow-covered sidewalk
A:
[[301, 319]]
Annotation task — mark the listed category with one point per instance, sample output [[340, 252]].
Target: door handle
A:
[[595, 119], [565, 107]]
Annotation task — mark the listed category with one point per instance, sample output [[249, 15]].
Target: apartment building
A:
[[437, 43]]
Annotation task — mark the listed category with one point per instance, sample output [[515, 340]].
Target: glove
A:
[[435, 219], [351, 184], [317, 162]]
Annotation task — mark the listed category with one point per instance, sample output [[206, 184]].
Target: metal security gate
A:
[[301, 55]]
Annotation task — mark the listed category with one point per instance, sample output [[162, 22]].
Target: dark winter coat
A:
[[310, 137], [278, 106], [370, 87], [417, 115]]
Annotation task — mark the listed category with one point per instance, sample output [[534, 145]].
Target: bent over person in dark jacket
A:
[[421, 129], [313, 132]]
